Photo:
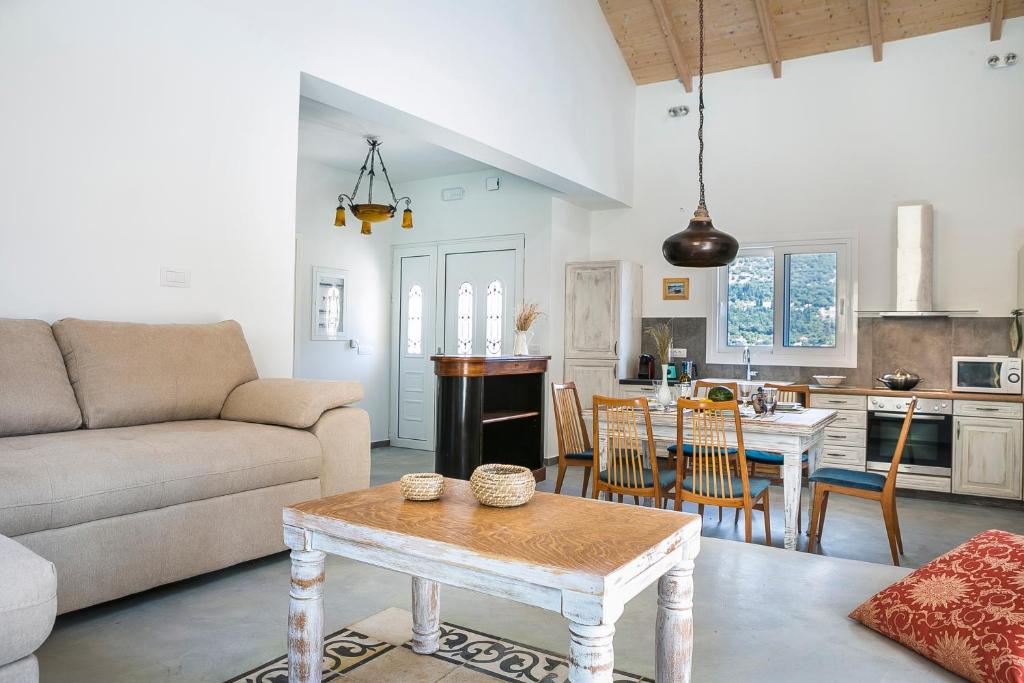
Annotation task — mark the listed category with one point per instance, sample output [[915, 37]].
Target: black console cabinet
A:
[[490, 409]]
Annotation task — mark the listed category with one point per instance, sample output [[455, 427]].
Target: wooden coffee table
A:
[[582, 558]]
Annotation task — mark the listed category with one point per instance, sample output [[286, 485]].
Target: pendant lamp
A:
[[369, 212], [700, 245]]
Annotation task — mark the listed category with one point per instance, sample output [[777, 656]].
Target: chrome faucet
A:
[[751, 374]]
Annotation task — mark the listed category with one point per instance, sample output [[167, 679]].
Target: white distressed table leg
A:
[[591, 655], [673, 636], [426, 615], [306, 617], [791, 473]]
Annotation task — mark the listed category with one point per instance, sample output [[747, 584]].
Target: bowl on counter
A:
[[829, 380]]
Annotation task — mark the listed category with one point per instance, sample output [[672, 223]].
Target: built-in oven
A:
[[929, 447]]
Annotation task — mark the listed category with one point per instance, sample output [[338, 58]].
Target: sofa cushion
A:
[[57, 480], [35, 394], [28, 600], [131, 373]]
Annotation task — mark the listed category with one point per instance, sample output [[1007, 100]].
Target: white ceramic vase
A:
[[664, 393], [521, 343]]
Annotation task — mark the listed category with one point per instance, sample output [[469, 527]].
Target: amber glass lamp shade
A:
[[339, 217], [407, 219], [366, 228], [700, 245]]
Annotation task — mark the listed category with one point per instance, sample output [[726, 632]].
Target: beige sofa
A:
[[135, 455], [28, 605]]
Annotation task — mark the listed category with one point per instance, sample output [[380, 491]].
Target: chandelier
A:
[[369, 212], [700, 245]]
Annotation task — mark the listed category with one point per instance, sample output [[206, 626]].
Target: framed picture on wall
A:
[[329, 304], [675, 288]]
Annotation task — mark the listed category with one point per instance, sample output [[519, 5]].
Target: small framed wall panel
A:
[[329, 305]]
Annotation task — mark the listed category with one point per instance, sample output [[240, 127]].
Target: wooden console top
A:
[[483, 366]]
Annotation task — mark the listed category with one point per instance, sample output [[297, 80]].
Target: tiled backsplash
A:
[[921, 345]]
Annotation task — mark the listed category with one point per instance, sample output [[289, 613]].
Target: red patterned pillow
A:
[[963, 610]]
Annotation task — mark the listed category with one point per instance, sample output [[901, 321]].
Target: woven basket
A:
[[502, 486], [422, 486]]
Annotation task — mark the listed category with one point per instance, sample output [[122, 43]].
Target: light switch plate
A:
[[175, 277], [452, 194], [677, 353], [492, 184]]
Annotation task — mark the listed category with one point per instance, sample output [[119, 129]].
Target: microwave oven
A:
[[987, 374]]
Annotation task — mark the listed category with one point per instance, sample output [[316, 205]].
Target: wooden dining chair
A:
[[622, 430], [769, 464], [868, 485], [700, 390], [717, 474], [573, 440]]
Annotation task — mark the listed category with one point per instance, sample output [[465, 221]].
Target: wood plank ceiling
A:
[[659, 38]]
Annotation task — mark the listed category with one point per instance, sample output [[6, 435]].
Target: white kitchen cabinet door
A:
[[592, 310], [987, 457], [592, 378]]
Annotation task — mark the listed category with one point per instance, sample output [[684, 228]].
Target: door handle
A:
[[616, 347], [987, 410], [957, 431]]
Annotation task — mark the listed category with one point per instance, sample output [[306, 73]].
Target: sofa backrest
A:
[[128, 374], [35, 394]]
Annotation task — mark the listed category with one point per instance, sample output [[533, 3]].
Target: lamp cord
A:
[[700, 106]]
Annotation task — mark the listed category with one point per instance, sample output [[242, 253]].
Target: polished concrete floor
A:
[[760, 613]]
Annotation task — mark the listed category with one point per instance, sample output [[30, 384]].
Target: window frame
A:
[[843, 355]]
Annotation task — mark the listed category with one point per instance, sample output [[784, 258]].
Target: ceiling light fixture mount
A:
[[369, 212], [700, 245]]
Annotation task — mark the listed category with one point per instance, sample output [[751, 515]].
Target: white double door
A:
[[455, 298]]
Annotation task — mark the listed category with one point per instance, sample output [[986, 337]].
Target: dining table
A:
[[790, 433]]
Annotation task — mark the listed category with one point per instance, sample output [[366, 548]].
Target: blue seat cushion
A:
[[768, 458], [869, 481], [582, 455], [757, 486], [666, 477], [688, 449]]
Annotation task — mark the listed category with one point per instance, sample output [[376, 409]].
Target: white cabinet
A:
[[846, 436], [592, 377], [987, 456], [602, 311]]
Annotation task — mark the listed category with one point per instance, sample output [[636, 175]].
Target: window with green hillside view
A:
[[808, 302]]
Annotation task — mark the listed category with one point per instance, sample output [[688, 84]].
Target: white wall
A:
[[368, 286], [138, 133], [832, 147]]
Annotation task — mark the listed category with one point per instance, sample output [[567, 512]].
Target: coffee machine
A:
[[645, 367]]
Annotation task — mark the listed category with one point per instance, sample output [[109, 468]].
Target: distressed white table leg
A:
[[591, 655], [791, 472], [426, 615], [306, 617], [673, 635]]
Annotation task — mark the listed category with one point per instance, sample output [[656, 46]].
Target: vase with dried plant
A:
[[526, 316], [661, 335]]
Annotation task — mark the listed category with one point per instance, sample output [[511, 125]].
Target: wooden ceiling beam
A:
[[675, 48], [996, 19], [875, 27], [771, 46]]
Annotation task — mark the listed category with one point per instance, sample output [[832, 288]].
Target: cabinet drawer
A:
[[837, 402], [837, 436], [842, 465], [842, 455], [850, 419], [922, 482], [636, 391], [1013, 411]]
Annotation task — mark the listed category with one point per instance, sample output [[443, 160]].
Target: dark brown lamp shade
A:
[[339, 217], [700, 245]]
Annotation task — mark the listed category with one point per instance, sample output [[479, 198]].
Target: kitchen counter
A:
[[941, 394]]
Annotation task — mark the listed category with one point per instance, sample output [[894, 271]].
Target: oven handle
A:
[[932, 418]]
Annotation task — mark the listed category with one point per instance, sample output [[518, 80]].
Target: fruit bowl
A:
[[829, 380]]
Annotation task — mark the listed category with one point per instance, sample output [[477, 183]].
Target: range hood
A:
[[914, 265]]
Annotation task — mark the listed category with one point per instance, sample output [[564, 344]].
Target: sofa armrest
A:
[[296, 403], [344, 435]]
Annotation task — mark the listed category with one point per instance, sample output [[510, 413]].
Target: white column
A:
[[591, 655], [426, 615], [306, 617], [673, 635]]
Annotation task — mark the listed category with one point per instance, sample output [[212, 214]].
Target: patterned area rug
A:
[[377, 650]]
